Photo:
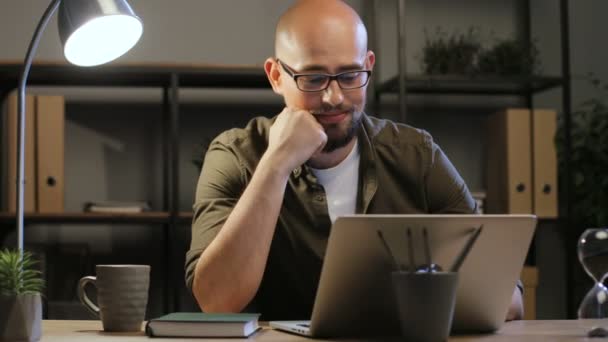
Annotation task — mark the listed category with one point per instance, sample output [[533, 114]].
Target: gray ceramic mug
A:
[[122, 295]]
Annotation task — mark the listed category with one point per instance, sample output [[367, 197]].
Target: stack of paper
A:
[[116, 207]]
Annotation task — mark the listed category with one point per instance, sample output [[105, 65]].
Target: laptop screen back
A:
[[355, 296]]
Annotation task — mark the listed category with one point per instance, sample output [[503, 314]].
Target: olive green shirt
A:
[[401, 171]]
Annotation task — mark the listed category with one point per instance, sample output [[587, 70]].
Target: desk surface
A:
[[567, 330]]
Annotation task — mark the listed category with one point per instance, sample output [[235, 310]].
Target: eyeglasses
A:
[[318, 82]]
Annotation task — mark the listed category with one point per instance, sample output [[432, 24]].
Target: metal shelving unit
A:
[[170, 78], [91, 218], [486, 85], [404, 84]]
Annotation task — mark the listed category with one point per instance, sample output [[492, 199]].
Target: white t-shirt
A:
[[340, 184]]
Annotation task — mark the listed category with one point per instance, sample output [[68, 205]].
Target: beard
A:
[[339, 136]]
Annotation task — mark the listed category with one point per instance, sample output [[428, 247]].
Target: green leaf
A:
[[18, 274], [588, 157]]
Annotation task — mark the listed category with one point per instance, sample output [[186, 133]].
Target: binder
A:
[[9, 160], [544, 122], [50, 153], [529, 278], [508, 158]]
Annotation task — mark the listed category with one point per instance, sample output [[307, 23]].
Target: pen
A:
[[388, 251], [465, 251]]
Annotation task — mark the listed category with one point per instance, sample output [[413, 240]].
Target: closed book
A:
[[122, 210], [198, 324], [116, 207]]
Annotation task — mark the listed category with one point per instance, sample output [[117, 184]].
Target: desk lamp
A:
[[92, 32]]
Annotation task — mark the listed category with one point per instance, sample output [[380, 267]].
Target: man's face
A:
[[338, 110]]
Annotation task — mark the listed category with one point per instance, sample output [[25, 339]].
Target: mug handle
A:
[[82, 295]]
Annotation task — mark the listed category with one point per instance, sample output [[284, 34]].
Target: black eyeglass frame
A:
[[330, 77]]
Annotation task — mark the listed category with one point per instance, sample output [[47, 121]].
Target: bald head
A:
[[317, 27]]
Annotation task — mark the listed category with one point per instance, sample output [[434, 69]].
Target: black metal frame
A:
[[171, 78], [567, 230], [168, 77], [526, 87]]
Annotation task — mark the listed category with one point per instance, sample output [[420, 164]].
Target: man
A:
[[267, 194]]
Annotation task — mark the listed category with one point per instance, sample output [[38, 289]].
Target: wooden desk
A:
[[522, 331]]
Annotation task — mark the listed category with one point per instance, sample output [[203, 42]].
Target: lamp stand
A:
[[21, 117]]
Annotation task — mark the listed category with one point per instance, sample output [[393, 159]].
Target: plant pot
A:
[[20, 317]]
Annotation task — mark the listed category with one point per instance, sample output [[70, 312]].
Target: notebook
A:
[[355, 295], [198, 324]]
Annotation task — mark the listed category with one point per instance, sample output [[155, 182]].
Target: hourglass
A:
[[593, 255]]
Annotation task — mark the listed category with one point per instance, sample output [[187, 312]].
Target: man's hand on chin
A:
[[516, 308]]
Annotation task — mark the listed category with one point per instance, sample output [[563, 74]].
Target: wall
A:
[[126, 142], [174, 31]]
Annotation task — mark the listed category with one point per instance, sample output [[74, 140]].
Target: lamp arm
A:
[[31, 51]]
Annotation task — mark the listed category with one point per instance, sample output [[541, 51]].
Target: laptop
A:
[[355, 295]]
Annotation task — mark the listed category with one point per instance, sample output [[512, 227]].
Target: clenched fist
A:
[[295, 137]]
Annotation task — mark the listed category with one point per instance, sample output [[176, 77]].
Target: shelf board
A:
[[473, 85], [136, 75], [185, 216], [145, 217]]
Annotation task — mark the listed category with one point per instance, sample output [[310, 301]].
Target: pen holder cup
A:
[[425, 302]]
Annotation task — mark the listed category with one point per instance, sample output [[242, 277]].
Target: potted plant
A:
[[459, 53], [509, 57], [20, 303], [450, 54], [588, 159]]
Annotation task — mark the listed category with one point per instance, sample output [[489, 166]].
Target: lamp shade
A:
[[95, 32]]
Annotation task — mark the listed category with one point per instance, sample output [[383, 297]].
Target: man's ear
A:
[[271, 67], [370, 60]]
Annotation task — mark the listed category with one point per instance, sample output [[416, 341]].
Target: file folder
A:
[[50, 153], [9, 160], [529, 278], [508, 158], [545, 163]]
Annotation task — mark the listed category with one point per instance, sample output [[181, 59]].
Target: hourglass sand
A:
[[593, 255]]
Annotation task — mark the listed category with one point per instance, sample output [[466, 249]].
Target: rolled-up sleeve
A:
[[219, 187]]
